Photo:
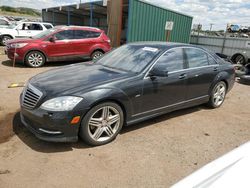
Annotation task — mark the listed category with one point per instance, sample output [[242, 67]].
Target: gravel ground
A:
[[155, 153]]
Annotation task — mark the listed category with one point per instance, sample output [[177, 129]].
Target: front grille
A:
[[31, 97]]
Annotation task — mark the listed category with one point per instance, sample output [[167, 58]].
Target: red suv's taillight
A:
[[105, 38]]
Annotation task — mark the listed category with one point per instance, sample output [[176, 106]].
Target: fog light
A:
[[75, 120], [16, 55]]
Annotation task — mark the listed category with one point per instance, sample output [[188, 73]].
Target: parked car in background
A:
[[135, 82], [61, 43], [237, 49], [231, 170], [243, 29], [4, 22], [233, 28], [22, 30]]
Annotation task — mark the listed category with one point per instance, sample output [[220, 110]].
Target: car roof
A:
[[34, 22], [63, 27], [163, 45]]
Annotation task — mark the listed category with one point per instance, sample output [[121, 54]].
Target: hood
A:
[[230, 170], [74, 79], [22, 40]]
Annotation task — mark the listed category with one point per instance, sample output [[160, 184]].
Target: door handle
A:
[[215, 68], [182, 76]]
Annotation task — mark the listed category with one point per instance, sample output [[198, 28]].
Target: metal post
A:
[[224, 41], [129, 22], [68, 16], [91, 14], [53, 17]]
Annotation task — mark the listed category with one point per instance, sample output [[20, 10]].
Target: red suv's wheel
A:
[[96, 55], [34, 59]]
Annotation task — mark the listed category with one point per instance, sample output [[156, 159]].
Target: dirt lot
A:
[[155, 153]]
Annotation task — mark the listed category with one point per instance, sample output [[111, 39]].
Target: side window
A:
[[47, 26], [64, 35], [35, 27], [22, 26], [196, 57], [80, 34], [92, 34], [172, 60], [211, 60]]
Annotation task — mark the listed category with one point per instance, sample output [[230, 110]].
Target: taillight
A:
[[106, 40]]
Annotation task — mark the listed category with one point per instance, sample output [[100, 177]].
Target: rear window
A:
[[83, 34], [48, 26], [92, 34]]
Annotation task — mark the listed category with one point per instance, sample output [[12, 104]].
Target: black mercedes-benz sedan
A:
[[133, 83]]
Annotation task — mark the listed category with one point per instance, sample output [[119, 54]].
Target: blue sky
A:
[[217, 12]]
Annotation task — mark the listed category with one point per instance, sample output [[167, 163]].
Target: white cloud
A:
[[218, 12]]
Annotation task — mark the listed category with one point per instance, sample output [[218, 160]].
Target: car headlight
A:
[[18, 45], [65, 103]]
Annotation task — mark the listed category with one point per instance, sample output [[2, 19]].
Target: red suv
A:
[[59, 44]]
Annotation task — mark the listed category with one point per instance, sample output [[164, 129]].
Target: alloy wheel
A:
[[104, 123], [5, 39], [97, 55], [219, 94], [35, 59]]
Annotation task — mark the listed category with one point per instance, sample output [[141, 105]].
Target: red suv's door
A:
[[62, 46], [84, 40]]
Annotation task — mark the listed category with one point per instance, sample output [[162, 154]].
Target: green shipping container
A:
[[147, 23]]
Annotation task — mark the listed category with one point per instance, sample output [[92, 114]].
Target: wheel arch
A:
[[222, 76], [9, 35], [115, 95], [32, 50], [97, 49], [113, 100]]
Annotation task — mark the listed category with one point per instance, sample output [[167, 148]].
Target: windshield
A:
[[12, 26], [130, 58], [43, 34]]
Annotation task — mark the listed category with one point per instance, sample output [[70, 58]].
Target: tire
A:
[[35, 59], [96, 55], [217, 95], [240, 70], [97, 129], [4, 39], [239, 59], [244, 79]]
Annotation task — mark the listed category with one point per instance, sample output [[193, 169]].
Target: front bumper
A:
[[12, 53], [53, 127]]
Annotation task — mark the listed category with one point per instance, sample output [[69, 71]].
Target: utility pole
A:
[[115, 8], [211, 26]]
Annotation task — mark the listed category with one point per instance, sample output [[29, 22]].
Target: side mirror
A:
[[157, 71], [52, 39]]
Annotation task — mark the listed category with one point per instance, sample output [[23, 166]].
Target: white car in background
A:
[[23, 30], [230, 171]]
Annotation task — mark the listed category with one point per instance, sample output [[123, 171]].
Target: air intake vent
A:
[[31, 97]]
